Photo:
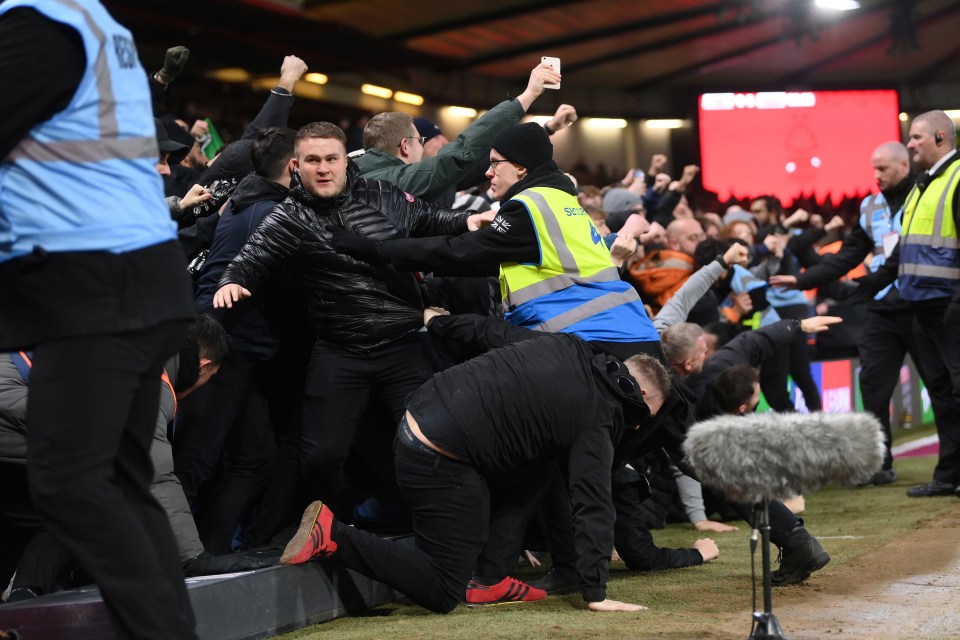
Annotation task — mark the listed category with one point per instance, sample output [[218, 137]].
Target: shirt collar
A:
[[942, 161]]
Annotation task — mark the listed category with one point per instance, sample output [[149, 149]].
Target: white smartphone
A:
[[555, 63]]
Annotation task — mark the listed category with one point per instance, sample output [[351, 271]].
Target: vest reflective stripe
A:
[[608, 301], [935, 230], [869, 206], [86, 151], [929, 248], [949, 273], [85, 179], [558, 268], [559, 283], [934, 241]]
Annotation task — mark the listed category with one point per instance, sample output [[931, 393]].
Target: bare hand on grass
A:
[[614, 605]]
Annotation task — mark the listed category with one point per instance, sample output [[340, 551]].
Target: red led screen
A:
[[792, 144]]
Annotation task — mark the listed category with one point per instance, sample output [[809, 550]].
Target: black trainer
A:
[[884, 476], [934, 488], [558, 581], [800, 556]]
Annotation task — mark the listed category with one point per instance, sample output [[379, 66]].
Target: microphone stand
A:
[[765, 623]]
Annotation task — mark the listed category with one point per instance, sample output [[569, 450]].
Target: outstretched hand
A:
[[818, 324], [478, 221], [228, 294]]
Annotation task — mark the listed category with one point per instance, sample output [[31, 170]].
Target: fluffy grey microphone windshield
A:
[[777, 455]]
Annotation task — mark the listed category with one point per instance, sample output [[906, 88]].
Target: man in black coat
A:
[[365, 317], [489, 429]]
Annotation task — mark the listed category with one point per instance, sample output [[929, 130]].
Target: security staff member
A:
[[927, 260], [555, 270], [91, 278], [888, 326]]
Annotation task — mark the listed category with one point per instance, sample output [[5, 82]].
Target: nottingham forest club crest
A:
[[500, 225]]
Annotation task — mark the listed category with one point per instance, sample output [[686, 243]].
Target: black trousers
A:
[[449, 503], [888, 336], [631, 536], [338, 388], [224, 448], [793, 361], [938, 357], [92, 412]]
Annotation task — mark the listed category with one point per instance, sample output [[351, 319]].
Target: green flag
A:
[[212, 142]]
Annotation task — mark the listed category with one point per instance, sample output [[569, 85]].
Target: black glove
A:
[[173, 63], [353, 245], [208, 565]]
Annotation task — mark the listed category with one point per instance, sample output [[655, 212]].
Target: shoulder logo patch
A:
[[500, 225]]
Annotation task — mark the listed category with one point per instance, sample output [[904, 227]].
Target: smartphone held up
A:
[[555, 63]]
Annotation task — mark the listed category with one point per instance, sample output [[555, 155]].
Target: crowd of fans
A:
[[312, 271]]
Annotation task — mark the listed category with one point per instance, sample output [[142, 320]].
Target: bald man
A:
[[927, 263], [661, 273], [888, 326]]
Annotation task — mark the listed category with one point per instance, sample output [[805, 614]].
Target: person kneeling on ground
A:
[[490, 425]]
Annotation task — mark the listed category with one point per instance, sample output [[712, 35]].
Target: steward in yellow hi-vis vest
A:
[[574, 286], [929, 255], [556, 274]]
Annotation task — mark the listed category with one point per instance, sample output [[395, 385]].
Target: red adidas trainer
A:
[[506, 591], [312, 539]]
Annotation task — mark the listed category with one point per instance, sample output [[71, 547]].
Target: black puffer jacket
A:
[[352, 304]]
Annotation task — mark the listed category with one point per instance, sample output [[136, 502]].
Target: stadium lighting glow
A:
[[374, 90], [408, 98], [838, 5]]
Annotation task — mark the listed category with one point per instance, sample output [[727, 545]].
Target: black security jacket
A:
[[351, 304]]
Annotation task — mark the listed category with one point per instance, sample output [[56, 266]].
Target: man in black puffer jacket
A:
[[364, 316]]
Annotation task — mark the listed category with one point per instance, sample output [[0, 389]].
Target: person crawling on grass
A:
[[479, 439]]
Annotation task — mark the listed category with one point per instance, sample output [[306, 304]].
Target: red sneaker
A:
[[312, 539], [507, 590]]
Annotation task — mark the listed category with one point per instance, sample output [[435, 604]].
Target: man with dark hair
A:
[[365, 317], [229, 424], [481, 438], [738, 389], [767, 210]]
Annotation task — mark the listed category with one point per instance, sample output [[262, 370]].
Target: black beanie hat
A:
[[528, 145]]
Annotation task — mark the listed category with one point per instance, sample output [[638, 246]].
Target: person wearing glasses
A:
[[394, 148], [365, 317], [481, 439], [555, 270]]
